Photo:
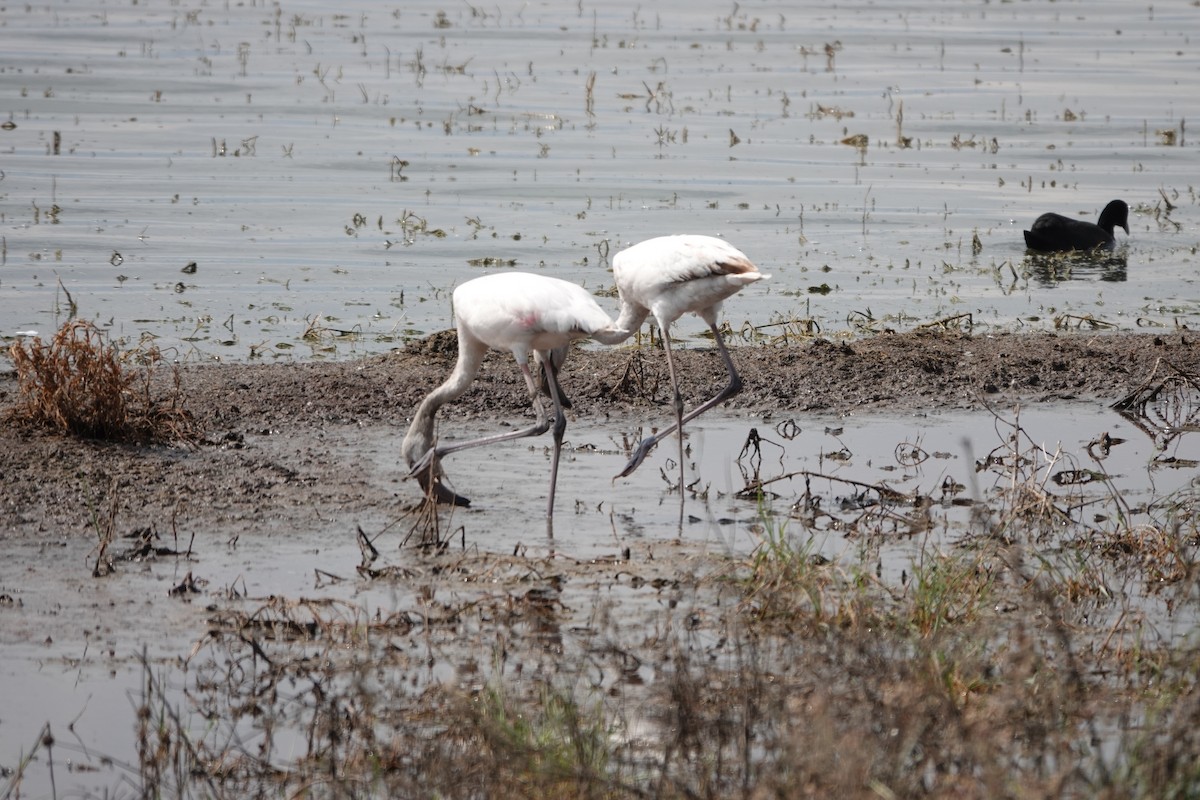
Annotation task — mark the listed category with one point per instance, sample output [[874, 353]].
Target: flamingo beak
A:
[[432, 485]]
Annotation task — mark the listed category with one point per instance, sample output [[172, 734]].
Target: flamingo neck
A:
[[419, 437], [628, 321]]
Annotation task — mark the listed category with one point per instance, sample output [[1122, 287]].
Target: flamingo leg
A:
[[678, 402], [555, 361], [733, 387], [560, 428]]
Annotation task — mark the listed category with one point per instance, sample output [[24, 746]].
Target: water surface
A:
[[332, 175]]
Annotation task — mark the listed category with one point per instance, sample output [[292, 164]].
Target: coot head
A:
[[1114, 214]]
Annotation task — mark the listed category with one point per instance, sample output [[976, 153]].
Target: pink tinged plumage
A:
[[667, 277], [520, 313]]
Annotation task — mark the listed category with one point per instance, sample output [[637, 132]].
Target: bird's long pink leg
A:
[[560, 427], [678, 402], [733, 387]]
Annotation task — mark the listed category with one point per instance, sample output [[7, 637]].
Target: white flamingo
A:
[[668, 276], [521, 313]]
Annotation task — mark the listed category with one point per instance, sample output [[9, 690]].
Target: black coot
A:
[[1052, 232]]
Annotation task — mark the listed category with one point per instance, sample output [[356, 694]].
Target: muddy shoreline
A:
[[901, 372], [52, 482], [203, 554]]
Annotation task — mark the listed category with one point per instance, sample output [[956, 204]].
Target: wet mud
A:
[[125, 560], [51, 482]]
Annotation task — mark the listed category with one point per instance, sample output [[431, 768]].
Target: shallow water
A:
[[85, 679], [336, 174], [333, 175]]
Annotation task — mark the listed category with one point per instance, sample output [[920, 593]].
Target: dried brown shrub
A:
[[78, 384]]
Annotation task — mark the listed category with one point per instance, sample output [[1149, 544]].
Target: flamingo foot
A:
[[639, 455]]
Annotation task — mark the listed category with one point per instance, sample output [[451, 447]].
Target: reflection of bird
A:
[[667, 277], [1053, 232], [518, 312]]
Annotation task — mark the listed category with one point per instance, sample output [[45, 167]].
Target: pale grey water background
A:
[[262, 143]]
